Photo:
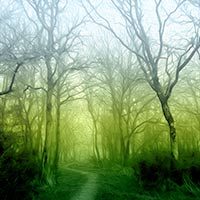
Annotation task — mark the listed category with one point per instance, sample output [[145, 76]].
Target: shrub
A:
[[157, 173], [19, 171]]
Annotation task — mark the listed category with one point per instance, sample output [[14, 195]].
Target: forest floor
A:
[[89, 188], [86, 183], [73, 184]]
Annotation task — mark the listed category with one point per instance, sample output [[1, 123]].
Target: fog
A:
[[101, 98]]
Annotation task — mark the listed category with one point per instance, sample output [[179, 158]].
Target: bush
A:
[[18, 172], [157, 173]]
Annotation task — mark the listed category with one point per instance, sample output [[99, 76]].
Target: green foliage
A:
[[69, 183], [117, 185], [156, 172], [19, 173]]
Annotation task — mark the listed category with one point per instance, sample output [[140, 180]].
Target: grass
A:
[[116, 183], [119, 185], [69, 183]]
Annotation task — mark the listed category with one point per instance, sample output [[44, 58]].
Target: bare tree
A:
[[67, 88], [160, 61], [53, 44], [117, 83], [188, 107], [14, 44], [94, 113]]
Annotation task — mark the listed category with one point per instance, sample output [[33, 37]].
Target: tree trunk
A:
[[38, 139], [40, 124], [49, 121], [95, 133], [122, 141], [56, 156], [127, 152], [96, 140], [3, 106], [173, 140]]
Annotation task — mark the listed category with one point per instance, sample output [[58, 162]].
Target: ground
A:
[[85, 183]]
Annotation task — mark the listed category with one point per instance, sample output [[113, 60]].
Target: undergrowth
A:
[[152, 177], [19, 172], [19, 175], [69, 183]]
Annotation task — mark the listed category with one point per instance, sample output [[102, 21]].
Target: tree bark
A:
[[48, 128], [95, 133], [172, 130], [96, 140], [57, 155]]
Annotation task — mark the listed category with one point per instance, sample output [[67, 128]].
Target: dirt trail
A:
[[89, 189]]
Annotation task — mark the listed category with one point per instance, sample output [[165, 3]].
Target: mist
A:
[[100, 99]]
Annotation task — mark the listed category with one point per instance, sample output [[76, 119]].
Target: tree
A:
[[94, 116], [53, 44], [14, 44], [187, 105], [116, 96], [67, 89], [158, 57]]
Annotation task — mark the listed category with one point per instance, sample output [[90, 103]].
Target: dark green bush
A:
[[157, 173], [19, 170]]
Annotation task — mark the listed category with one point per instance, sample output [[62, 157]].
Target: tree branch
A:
[[10, 88]]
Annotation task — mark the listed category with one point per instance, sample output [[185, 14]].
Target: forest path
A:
[[89, 189], [73, 184]]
